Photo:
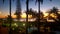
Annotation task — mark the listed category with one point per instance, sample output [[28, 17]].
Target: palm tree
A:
[[54, 10], [39, 11], [18, 10], [9, 13], [27, 8], [32, 12], [57, 20], [41, 15]]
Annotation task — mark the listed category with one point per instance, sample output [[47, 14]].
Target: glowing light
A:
[[31, 20], [53, 15], [13, 16], [23, 24], [24, 15], [0, 12], [22, 19], [15, 25], [50, 20], [45, 14], [59, 12], [29, 16]]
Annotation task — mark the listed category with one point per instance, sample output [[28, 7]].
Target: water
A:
[[25, 20]]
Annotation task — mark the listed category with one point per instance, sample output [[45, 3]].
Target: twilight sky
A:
[[4, 8]]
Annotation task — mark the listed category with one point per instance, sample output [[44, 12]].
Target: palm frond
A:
[[35, 2], [50, 0], [3, 1], [41, 1], [13, 0], [32, 0]]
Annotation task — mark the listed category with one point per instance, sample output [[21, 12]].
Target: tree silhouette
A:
[[32, 12], [57, 19], [9, 13], [18, 10], [27, 8], [39, 12], [54, 10], [9, 18]]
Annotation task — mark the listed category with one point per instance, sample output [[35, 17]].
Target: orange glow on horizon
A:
[[45, 14], [59, 12], [13, 16], [53, 15], [24, 15], [2, 16], [0, 12]]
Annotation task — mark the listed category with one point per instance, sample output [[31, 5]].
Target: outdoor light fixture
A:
[[23, 24], [15, 24]]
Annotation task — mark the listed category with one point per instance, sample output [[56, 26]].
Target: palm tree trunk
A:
[[38, 17], [10, 16], [10, 8], [27, 2]]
